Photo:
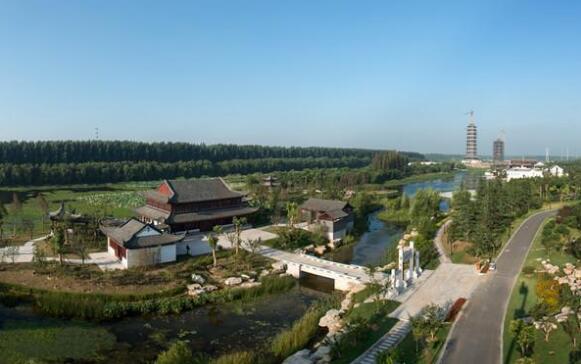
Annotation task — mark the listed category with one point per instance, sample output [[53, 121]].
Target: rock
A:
[[279, 266], [264, 273], [250, 284], [196, 278], [194, 286], [210, 288], [321, 352], [320, 250], [233, 281], [245, 277], [331, 320], [300, 357], [195, 290], [309, 248]]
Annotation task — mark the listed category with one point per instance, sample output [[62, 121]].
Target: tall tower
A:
[[471, 139], [498, 151]]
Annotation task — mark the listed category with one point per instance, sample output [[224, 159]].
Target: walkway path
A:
[[442, 287], [477, 335], [23, 253], [397, 333], [439, 242]]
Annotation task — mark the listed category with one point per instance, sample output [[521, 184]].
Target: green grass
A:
[[523, 298], [419, 178], [374, 317], [117, 200], [51, 340]]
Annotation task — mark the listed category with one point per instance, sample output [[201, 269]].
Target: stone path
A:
[[24, 253], [439, 243], [397, 333]]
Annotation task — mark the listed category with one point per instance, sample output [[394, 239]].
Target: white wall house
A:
[[136, 244], [522, 172], [335, 217]]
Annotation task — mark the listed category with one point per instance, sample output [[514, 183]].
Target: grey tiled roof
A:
[[320, 205], [197, 190], [125, 234], [211, 214]]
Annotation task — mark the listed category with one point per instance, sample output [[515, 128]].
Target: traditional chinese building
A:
[[135, 243], [199, 204], [336, 217]]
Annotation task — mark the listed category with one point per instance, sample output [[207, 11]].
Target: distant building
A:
[[523, 172], [557, 171], [336, 217], [498, 151], [526, 163], [537, 171], [136, 244], [199, 204], [270, 182], [471, 139]]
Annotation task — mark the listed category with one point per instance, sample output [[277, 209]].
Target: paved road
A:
[[477, 335]]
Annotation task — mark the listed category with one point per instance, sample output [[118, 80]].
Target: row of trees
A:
[[55, 152], [103, 172], [486, 218]]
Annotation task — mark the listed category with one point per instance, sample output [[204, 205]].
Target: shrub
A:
[[528, 269], [178, 353], [547, 291], [302, 330], [242, 357]]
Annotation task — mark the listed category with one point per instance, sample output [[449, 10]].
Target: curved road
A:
[[477, 335]]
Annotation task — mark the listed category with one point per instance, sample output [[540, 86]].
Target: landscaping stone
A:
[[233, 281], [321, 249], [300, 357], [210, 288], [278, 267], [250, 284], [264, 273], [321, 352], [196, 278], [332, 321]]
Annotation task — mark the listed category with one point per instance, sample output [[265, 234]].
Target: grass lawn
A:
[[117, 200], [523, 298], [408, 352], [377, 327], [52, 341]]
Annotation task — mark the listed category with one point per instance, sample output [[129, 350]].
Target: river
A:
[[372, 246]]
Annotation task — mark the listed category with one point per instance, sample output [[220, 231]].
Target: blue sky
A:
[[374, 74]]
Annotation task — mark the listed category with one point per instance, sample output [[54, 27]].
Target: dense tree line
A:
[[57, 152], [390, 160], [486, 218], [105, 172]]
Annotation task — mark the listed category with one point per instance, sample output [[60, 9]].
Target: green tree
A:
[[292, 214], [239, 224], [58, 242], [213, 241], [524, 335], [3, 214]]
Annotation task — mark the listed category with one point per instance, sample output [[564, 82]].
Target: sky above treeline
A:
[[371, 74]]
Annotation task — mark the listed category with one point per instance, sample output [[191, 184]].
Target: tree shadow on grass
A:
[[518, 313]]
